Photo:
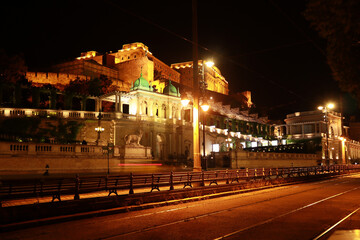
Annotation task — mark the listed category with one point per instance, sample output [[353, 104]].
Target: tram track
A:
[[323, 234], [213, 213]]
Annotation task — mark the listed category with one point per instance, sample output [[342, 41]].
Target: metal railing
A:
[[17, 189]]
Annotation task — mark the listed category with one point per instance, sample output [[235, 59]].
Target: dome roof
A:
[[171, 90], [142, 84]]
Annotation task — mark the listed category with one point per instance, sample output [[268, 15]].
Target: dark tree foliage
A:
[[93, 87], [12, 68], [62, 132], [338, 21], [77, 86]]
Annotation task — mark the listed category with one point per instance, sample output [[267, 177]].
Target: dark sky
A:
[[265, 46]]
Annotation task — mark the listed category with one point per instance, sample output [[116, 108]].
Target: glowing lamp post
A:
[[326, 118], [99, 129]]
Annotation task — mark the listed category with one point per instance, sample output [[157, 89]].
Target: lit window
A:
[[216, 147]]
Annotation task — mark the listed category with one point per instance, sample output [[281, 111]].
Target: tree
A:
[[338, 21], [12, 68], [77, 86], [12, 77], [100, 86]]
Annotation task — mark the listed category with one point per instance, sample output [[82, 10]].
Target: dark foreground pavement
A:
[[328, 208]]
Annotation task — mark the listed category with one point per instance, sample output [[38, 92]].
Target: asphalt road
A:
[[324, 209]]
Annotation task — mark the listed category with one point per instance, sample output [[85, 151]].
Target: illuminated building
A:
[[311, 125], [148, 98], [211, 74]]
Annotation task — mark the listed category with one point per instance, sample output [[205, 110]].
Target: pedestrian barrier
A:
[[19, 189]]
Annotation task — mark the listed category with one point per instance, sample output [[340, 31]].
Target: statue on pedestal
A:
[[133, 139], [133, 149]]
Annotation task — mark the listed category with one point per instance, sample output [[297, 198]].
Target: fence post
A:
[[131, 191], [171, 180], [227, 176], [202, 179], [247, 173], [255, 172], [77, 187]]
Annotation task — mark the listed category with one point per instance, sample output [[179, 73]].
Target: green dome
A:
[[171, 90], [142, 84]]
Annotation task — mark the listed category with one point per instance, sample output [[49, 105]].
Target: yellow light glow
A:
[[209, 63], [99, 129], [330, 106], [185, 102], [205, 107], [320, 107]]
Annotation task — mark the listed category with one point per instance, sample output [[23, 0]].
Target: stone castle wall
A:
[[53, 78]]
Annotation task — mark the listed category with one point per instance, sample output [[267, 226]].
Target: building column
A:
[[98, 105]]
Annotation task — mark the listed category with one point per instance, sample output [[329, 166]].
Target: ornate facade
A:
[[335, 141], [166, 125]]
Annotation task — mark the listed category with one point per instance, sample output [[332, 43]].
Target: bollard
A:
[[247, 172], [255, 172], [77, 187], [263, 172], [171, 180], [131, 191]]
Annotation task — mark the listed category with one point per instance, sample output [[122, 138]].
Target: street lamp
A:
[[185, 101], [325, 110], [99, 129]]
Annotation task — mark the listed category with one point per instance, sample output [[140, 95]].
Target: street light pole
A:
[[326, 116], [327, 157], [205, 106], [196, 140], [99, 129]]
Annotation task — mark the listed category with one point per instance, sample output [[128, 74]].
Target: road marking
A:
[[333, 226], [285, 214]]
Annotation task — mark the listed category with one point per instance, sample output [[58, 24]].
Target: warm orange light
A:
[[209, 63], [99, 129], [185, 102], [205, 107], [327, 107], [330, 106]]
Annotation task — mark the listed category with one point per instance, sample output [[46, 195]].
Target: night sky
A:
[[265, 46]]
